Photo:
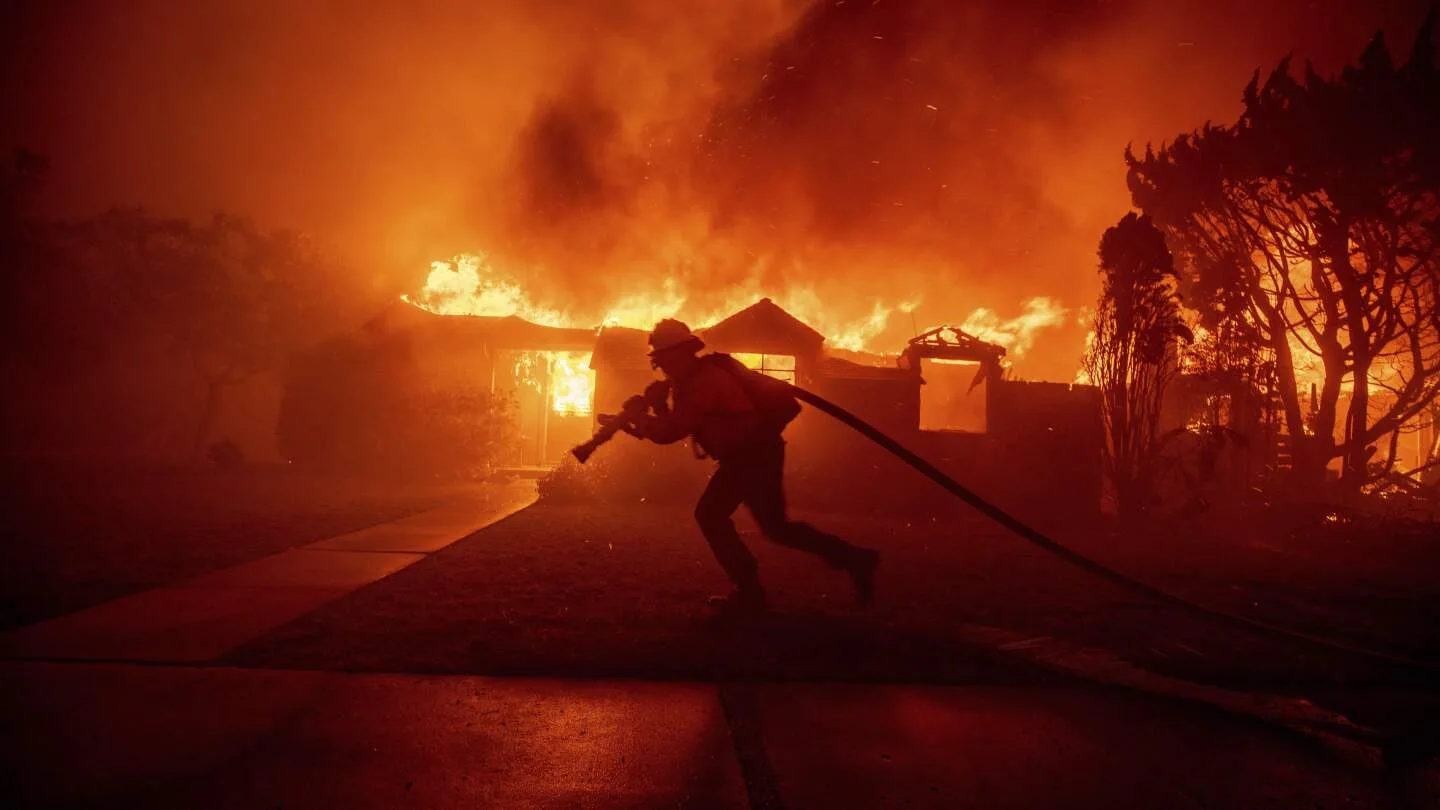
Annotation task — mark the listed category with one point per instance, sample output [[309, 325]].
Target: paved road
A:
[[115, 735]]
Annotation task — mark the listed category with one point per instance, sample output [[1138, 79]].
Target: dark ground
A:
[[583, 591], [78, 537], [586, 590], [218, 737]]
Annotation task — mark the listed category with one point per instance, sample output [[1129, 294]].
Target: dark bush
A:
[[357, 405], [573, 482], [226, 455]]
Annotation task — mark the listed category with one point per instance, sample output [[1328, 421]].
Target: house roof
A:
[[515, 333], [840, 368], [621, 347], [954, 343], [509, 332], [763, 327]]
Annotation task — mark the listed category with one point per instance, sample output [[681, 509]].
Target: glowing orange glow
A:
[[693, 141], [643, 311], [471, 284], [564, 378], [856, 336], [572, 383], [1017, 335], [1309, 366], [779, 366]]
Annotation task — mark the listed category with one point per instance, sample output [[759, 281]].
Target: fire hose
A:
[[612, 424]]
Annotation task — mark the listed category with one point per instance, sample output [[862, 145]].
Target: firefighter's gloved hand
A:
[[620, 421], [657, 393]]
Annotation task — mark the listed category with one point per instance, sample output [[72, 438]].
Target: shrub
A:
[[226, 455], [628, 472], [360, 407]]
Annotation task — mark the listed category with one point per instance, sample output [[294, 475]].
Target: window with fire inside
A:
[[953, 397], [779, 366]]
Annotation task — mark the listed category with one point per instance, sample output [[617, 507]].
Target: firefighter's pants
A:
[[755, 477]]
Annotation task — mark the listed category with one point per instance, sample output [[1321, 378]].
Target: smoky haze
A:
[[963, 154]]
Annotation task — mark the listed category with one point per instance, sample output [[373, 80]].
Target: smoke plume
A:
[[858, 153]]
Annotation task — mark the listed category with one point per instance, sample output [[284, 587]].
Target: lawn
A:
[[589, 590], [576, 590], [75, 538]]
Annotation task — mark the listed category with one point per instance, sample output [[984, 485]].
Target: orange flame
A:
[[470, 284], [1017, 335], [572, 383]]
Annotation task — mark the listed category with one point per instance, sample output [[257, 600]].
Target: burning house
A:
[[409, 371], [763, 337], [1033, 445]]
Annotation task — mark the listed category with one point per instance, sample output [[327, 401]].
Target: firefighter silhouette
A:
[[736, 416]]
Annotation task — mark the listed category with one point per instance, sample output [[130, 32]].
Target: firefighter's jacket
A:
[[708, 404]]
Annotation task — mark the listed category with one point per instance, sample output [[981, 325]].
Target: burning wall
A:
[[1029, 443]]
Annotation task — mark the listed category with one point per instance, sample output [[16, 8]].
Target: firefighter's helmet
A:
[[672, 334]]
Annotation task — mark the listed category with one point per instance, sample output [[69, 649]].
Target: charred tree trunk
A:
[[1354, 458], [1308, 453], [1431, 474], [1356, 452]]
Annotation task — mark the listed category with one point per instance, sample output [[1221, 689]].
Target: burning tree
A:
[[1131, 355], [1310, 229]]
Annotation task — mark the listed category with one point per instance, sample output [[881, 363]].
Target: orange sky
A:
[[966, 154]]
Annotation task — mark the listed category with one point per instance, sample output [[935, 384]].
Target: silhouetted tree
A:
[[1311, 228], [234, 301], [224, 298], [1429, 471], [58, 313], [1131, 356], [118, 327]]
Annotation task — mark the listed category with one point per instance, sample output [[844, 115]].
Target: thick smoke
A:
[[962, 153]]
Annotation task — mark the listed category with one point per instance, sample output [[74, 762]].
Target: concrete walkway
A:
[[111, 735], [203, 618]]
